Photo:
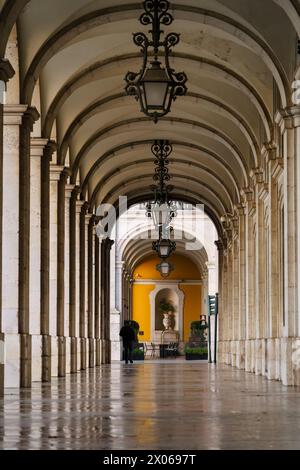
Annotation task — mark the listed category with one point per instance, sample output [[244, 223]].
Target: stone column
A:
[[224, 318], [45, 260], [275, 172], [97, 299], [75, 208], [18, 123], [289, 121], [242, 287], [61, 314], [250, 278], [55, 174], [220, 248], [84, 221], [67, 254], [6, 73], [106, 245], [36, 154], [116, 314], [29, 117], [90, 290], [10, 243]]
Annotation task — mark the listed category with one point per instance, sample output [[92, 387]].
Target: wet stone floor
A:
[[153, 405]]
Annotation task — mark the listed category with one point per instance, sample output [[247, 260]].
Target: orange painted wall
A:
[[185, 269]]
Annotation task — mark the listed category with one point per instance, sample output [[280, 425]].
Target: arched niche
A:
[[172, 293]]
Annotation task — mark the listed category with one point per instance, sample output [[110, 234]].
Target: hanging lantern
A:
[[164, 247], [156, 86], [165, 268], [162, 210]]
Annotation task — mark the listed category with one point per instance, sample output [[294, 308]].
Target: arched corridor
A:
[[77, 163]]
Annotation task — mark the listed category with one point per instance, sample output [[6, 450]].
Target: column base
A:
[[1, 364], [17, 360], [83, 353], [98, 352], [61, 341], [91, 353], [46, 358], [274, 358], [74, 355], [37, 358]]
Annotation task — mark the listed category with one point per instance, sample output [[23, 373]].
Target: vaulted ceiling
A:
[[238, 55]]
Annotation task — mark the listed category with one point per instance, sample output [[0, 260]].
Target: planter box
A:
[[196, 357]]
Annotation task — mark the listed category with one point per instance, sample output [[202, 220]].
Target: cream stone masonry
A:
[[72, 141], [13, 115], [36, 154]]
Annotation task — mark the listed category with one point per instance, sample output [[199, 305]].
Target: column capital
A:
[[210, 265], [247, 194], [13, 114], [79, 205], [269, 151], [68, 190], [49, 150], [88, 218], [241, 209], [30, 116], [120, 264], [75, 192], [6, 70], [288, 118], [37, 146], [56, 171], [107, 243], [257, 175], [85, 208], [65, 175]]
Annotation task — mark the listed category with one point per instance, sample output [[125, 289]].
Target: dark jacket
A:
[[127, 333]]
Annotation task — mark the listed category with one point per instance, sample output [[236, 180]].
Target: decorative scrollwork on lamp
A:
[[156, 85]]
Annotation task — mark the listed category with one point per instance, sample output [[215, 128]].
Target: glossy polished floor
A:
[[153, 405]]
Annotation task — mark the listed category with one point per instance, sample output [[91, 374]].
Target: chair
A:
[[155, 347], [148, 348], [172, 349]]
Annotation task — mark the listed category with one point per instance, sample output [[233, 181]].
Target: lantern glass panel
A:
[[155, 94], [164, 250]]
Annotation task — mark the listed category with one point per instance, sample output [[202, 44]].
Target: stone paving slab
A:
[[153, 405]]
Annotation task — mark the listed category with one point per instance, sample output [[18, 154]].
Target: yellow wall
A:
[[141, 309], [185, 269], [192, 307]]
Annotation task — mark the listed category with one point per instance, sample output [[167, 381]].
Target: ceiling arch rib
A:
[[68, 32], [201, 127], [122, 172], [84, 76], [8, 17], [217, 105], [182, 195], [114, 153], [206, 194]]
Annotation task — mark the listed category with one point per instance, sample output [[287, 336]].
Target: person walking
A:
[[128, 336]]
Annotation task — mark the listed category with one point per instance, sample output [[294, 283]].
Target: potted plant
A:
[[138, 352], [195, 354]]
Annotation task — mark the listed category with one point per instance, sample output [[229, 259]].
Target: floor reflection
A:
[[152, 405]]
